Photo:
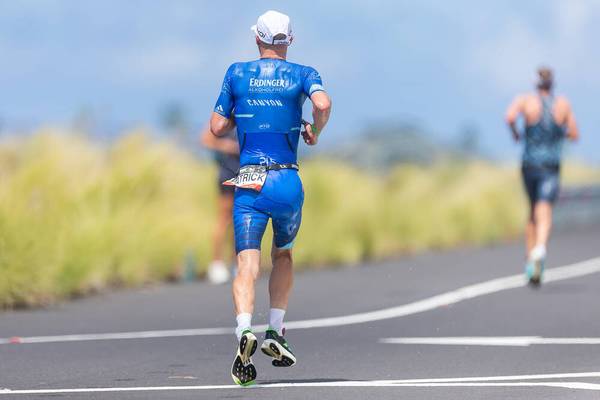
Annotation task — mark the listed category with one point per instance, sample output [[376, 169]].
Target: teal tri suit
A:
[[542, 155], [266, 97]]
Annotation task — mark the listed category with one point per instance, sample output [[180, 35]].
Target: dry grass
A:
[[77, 218]]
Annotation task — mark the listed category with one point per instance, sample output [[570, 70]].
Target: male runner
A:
[[227, 158], [264, 98], [548, 120]]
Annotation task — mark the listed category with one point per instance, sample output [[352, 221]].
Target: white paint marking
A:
[[528, 377], [522, 341], [563, 385], [453, 297], [488, 381], [465, 293], [119, 335]]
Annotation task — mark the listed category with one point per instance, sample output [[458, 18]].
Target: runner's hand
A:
[[310, 138], [229, 146]]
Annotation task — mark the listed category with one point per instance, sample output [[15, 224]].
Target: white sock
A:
[[244, 322], [276, 319], [537, 253]]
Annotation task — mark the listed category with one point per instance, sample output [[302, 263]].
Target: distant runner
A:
[[548, 119], [227, 157], [264, 99]]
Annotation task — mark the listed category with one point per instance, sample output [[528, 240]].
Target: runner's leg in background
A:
[[218, 270], [225, 205], [543, 222], [530, 231]]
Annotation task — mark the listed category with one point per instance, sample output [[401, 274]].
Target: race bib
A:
[[250, 177]]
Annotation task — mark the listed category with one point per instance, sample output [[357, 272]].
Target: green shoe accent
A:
[[238, 382], [276, 347]]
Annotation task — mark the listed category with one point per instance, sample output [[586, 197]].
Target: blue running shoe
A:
[[529, 270], [534, 270]]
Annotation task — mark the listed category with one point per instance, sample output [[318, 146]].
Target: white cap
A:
[[271, 24]]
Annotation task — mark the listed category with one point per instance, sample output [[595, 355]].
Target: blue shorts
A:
[[280, 199], [541, 183]]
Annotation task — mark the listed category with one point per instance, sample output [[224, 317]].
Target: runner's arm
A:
[[572, 129], [321, 111], [512, 114], [220, 125], [313, 88], [225, 145], [221, 120]]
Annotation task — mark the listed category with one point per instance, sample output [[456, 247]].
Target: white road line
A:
[[529, 377], [488, 381], [465, 293], [564, 385], [118, 335], [519, 341]]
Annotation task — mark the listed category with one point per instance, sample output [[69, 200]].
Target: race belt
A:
[[254, 176]]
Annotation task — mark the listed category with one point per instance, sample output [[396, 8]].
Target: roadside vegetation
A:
[[76, 217]]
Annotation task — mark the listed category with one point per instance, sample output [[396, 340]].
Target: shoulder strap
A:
[[547, 110], [547, 102]]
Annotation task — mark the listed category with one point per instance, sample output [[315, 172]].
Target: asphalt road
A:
[[543, 339]]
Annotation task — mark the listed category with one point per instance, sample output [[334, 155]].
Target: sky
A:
[[441, 64]]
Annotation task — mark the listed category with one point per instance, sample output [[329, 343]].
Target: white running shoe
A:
[[538, 253], [218, 273], [536, 264]]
